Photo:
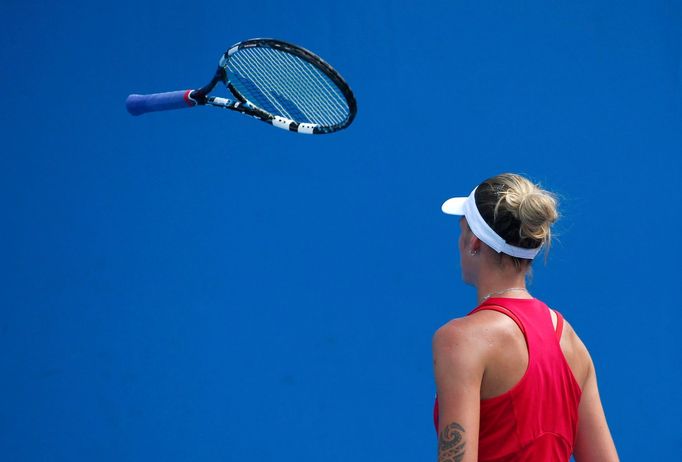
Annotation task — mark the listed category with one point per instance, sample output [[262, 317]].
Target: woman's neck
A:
[[504, 284]]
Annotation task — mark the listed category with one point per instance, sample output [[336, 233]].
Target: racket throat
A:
[[201, 95]]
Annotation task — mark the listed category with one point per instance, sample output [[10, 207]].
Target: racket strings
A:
[[268, 86], [310, 74], [253, 92], [286, 85], [315, 105], [311, 105], [335, 102]]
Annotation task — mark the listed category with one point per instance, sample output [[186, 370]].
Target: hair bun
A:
[[534, 210]]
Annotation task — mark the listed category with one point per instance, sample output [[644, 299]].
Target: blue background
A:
[[195, 285]]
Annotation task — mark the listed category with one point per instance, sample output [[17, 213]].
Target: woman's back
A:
[[509, 362], [509, 359]]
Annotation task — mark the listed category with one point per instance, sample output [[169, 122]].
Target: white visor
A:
[[467, 206]]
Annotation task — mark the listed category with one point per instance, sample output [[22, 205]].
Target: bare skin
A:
[[484, 355]]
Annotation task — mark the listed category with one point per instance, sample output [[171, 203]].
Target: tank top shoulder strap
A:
[[500, 309]]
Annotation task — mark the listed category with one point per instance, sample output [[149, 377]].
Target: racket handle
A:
[[140, 104]]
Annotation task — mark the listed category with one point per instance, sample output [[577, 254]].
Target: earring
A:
[[473, 252]]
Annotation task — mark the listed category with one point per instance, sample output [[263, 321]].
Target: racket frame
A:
[[241, 104]]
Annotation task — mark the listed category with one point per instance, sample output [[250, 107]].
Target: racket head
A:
[[297, 89]]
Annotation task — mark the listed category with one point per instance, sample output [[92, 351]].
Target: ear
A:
[[474, 243]]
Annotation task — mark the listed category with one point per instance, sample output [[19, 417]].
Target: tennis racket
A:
[[279, 83]]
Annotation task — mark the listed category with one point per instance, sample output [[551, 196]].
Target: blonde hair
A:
[[520, 211]]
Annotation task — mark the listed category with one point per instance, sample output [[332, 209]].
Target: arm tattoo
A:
[[451, 443]]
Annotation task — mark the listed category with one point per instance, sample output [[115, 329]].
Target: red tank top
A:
[[537, 419]]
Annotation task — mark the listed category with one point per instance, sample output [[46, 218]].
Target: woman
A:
[[514, 381]]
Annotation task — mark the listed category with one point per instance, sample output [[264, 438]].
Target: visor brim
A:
[[454, 206]]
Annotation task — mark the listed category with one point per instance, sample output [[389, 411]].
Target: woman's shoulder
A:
[[474, 332], [458, 354], [458, 332]]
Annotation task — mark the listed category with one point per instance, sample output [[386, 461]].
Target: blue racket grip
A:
[[140, 104]]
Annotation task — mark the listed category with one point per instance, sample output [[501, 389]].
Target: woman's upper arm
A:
[[593, 441], [458, 369]]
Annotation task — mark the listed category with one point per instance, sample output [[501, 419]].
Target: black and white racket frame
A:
[[201, 96]]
